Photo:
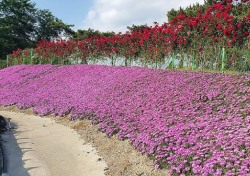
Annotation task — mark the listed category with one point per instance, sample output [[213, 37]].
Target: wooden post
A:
[[173, 56], [223, 60], [193, 65], [31, 55], [7, 60]]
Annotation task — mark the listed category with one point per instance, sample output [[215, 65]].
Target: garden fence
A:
[[218, 62]]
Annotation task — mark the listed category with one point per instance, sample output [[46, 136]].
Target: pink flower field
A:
[[191, 122]]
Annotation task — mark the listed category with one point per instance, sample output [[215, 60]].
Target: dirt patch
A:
[[122, 159]]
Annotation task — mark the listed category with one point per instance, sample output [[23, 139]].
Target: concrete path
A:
[[40, 147]]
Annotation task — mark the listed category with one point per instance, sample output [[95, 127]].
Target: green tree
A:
[[49, 26], [17, 18], [22, 25], [171, 14], [240, 9], [134, 27], [211, 2], [83, 34], [107, 34]]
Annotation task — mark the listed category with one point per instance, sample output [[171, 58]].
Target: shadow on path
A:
[[13, 155]]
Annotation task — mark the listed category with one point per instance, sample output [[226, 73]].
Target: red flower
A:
[[229, 44], [219, 26], [200, 48], [218, 14], [234, 39], [239, 25]]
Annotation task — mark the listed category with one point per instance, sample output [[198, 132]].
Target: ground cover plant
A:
[[197, 40], [191, 122]]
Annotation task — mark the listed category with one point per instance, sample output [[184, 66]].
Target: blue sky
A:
[[111, 15], [70, 12]]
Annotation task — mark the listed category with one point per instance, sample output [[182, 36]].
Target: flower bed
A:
[[198, 123]]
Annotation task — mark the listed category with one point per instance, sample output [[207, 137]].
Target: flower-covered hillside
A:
[[197, 123]]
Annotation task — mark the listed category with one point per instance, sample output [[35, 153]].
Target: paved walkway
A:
[[40, 147]]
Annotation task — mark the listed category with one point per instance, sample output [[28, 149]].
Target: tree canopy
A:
[[242, 7], [49, 27], [82, 34], [22, 25]]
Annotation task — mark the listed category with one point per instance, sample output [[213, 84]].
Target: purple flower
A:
[[197, 123]]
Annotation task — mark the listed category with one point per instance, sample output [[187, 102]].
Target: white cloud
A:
[[116, 15]]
